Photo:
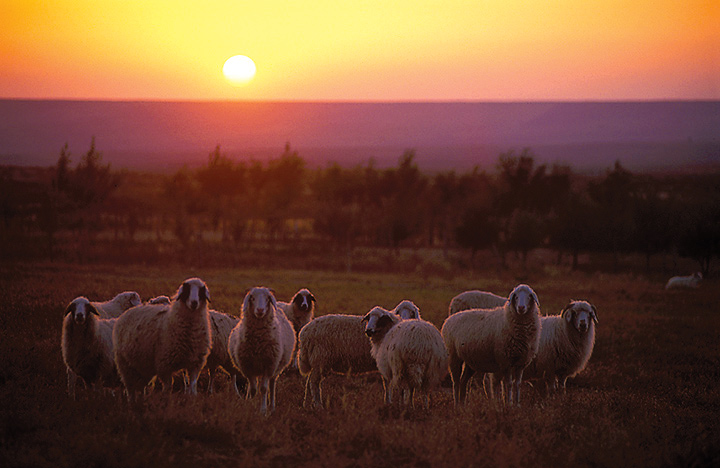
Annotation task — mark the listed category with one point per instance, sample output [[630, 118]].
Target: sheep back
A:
[[475, 300], [335, 343]]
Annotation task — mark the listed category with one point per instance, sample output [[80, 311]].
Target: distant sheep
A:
[[503, 341], [261, 345], [300, 311], [566, 343], [410, 354], [160, 300], [157, 340], [86, 344], [221, 326], [475, 300], [407, 310], [691, 282], [118, 304]]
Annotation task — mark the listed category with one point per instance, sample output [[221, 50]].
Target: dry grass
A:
[[649, 396]]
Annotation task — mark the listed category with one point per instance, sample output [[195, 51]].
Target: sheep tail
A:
[[415, 374]]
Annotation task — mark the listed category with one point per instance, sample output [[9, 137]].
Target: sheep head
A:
[[259, 302], [523, 299], [579, 314], [379, 321], [303, 300], [80, 308], [407, 310], [127, 299], [194, 293]]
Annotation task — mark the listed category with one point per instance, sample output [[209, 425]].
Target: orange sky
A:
[[362, 50]]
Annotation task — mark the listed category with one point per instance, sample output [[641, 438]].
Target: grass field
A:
[[650, 395]]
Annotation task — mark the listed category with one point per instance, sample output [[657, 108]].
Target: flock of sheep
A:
[[124, 342]]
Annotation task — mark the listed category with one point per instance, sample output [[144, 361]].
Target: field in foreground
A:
[[649, 397]]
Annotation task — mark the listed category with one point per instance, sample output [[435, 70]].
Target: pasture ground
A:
[[649, 396]]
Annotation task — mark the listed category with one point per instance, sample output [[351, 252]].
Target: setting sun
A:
[[239, 70]]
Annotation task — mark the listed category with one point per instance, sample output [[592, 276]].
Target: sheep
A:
[[566, 343], [410, 354], [332, 343], [86, 345], [336, 343], [221, 326], [160, 300], [502, 340], [300, 311], [157, 340], [261, 345], [407, 310], [475, 300], [692, 281], [118, 304]]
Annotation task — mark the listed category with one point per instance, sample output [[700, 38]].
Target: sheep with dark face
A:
[[261, 345], [566, 344], [157, 340], [299, 311], [503, 341], [410, 354], [87, 348]]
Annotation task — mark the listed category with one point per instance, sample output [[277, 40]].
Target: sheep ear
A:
[[207, 293], [312, 298], [92, 309], [594, 313], [184, 292], [366, 318], [565, 313], [535, 298], [70, 308]]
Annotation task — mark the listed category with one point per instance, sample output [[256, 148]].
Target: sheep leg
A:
[[516, 378], [467, 374], [71, 382], [264, 387], [211, 379], [312, 389], [388, 391], [252, 388], [194, 374], [239, 389], [273, 380], [455, 371]]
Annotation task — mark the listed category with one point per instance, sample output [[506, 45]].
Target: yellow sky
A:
[[362, 50]]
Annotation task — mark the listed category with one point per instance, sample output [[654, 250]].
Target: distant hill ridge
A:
[[445, 135]]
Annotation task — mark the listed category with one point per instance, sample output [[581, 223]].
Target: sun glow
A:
[[239, 70]]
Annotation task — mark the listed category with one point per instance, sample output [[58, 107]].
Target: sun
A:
[[239, 70]]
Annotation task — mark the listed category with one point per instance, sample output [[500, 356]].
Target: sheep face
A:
[[303, 300], [579, 314], [259, 302], [379, 321], [407, 310], [80, 308], [128, 299], [193, 293], [523, 299]]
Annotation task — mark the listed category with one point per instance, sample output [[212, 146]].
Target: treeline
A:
[[250, 205]]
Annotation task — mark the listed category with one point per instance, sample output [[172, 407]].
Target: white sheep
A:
[[692, 281], [410, 354], [221, 326], [566, 343], [86, 344], [157, 340], [407, 310], [502, 341], [336, 343], [118, 304], [160, 300], [261, 345], [300, 311], [475, 300]]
